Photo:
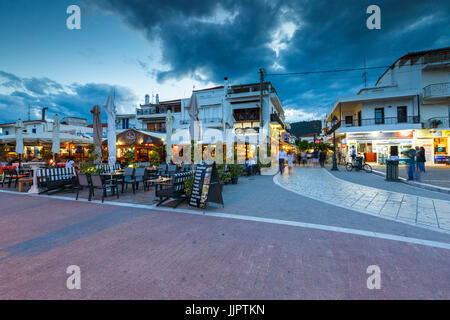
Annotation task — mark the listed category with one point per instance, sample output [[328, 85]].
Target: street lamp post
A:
[[333, 123]]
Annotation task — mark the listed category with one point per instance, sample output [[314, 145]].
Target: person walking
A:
[[281, 158], [308, 159], [322, 158], [290, 161], [411, 161], [420, 161], [316, 157], [339, 155], [303, 157], [353, 153]]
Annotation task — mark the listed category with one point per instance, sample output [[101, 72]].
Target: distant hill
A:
[[305, 127]]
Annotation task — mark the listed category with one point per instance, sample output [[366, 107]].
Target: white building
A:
[[409, 106], [223, 107]]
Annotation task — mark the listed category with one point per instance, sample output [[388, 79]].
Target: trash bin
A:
[[392, 170]]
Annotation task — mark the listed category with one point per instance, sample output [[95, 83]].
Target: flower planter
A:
[[234, 180]]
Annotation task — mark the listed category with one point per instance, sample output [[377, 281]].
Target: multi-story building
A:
[[235, 107], [408, 106]]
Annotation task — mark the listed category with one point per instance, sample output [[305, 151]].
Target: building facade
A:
[[408, 106], [221, 108]]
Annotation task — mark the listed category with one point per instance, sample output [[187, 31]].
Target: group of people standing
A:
[[416, 162], [302, 158]]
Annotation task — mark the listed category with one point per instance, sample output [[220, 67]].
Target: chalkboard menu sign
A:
[[206, 186]]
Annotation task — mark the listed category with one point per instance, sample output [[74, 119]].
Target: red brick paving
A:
[[130, 253]]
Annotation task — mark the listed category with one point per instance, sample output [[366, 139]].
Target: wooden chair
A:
[[98, 183], [128, 179], [173, 189], [139, 176]]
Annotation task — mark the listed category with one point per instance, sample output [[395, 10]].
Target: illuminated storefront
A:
[[378, 146]]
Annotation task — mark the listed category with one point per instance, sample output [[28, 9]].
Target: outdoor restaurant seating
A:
[[55, 178], [172, 189], [128, 178], [98, 183], [10, 175], [83, 181], [162, 169], [95, 181], [139, 176], [171, 169]]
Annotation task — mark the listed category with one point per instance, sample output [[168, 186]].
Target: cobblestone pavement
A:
[[319, 184], [135, 253]]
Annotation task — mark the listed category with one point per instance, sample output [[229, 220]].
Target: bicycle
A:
[[359, 165]]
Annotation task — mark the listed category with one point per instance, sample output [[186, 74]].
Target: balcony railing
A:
[[371, 122], [436, 90], [204, 121], [437, 122]]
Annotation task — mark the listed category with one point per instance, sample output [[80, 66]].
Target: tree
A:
[[304, 145], [323, 146]]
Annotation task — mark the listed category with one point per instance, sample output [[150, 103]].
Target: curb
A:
[[417, 184]]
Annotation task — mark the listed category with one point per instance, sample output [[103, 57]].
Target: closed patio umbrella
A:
[[110, 109], [19, 139], [169, 125], [56, 142], [194, 127], [98, 133]]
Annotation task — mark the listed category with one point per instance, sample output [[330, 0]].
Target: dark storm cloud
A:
[[73, 100], [329, 34]]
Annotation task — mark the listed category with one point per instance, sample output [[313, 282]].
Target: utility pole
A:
[[261, 84]]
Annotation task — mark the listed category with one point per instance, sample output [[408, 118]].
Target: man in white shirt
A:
[[282, 156]]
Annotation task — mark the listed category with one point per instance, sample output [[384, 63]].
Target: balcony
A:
[[436, 91], [437, 123], [274, 117], [204, 121], [384, 123]]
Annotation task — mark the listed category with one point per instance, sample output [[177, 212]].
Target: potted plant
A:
[[435, 123], [235, 171], [88, 168], [224, 177], [188, 185]]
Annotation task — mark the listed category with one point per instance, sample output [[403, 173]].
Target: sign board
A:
[[379, 135], [343, 146], [316, 141], [206, 186]]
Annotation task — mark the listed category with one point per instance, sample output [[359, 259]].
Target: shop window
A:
[[379, 116], [402, 115]]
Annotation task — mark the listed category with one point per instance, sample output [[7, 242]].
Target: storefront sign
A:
[[379, 135], [316, 141]]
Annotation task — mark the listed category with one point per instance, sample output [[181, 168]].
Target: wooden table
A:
[[22, 181]]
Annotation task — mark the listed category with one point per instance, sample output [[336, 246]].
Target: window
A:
[[125, 123], [402, 114], [348, 121], [379, 115], [6, 132], [33, 130]]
